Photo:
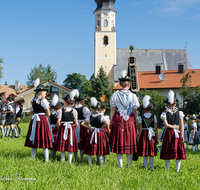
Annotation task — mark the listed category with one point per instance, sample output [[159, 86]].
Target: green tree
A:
[[191, 95], [101, 86], [157, 100], [44, 73], [78, 81], [1, 68]]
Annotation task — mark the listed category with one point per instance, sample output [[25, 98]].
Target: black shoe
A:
[[16, 137]]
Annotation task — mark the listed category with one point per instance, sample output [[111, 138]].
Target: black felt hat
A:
[[124, 77]]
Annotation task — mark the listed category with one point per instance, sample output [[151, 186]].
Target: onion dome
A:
[[105, 5]]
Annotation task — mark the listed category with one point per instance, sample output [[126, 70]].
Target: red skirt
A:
[[146, 147], [84, 132], [99, 148], [42, 134], [64, 145], [123, 136], [55, 132], [172, 148]]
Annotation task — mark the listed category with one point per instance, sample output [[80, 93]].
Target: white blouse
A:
[[43, 102], [125, 101], [185, 126], [75, 113], [194, 125], [148, 115], [85, 110], [102, 118], [59, 113], [164, 115]]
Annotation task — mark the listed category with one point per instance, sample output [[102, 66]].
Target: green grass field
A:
[[19, 171]]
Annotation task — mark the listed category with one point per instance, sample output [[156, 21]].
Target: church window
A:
[[112, 24], [98, 23], [105, 40], [105, 23]]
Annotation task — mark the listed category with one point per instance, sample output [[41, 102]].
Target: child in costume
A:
[[19, 113], [148, 133], [66, 139], [198, 126], [173, 142], [54, 125], [186, 132], [1, 117], [10, 117], [39, 134], [123, 116], [97, 141], [194, 138], [81, 132]]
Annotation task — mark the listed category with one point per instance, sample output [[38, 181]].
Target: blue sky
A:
[[61, 33]]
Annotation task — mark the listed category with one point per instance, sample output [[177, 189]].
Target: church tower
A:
[[105, 37]]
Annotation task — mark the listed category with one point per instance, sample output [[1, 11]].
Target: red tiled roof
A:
[[150, 80]]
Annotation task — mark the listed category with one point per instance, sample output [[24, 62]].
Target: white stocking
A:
[[90, 160], [178, 165], [81, 155], [151, 161], [101, 161], [76, 155], [104, 158], [119, 158], [145, 159], [34, 151], [46, 154], [129, 159], [62, 154], [70, 157], [167, 164]]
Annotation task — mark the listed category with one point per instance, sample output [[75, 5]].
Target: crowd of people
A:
[[71, 126]]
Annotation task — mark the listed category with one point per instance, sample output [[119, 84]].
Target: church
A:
[[114, 59]]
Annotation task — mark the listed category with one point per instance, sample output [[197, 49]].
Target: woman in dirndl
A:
[[81, 132], [194, 139], [39, 134], [54, 125], [123, 137], [97, 141], [198, 126], [68, 121], [148, 133], [186, 131], [173, 142]]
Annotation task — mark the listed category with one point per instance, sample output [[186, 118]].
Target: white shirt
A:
[[85, 110]]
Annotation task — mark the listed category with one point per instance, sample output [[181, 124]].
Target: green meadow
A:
[[19, 171]]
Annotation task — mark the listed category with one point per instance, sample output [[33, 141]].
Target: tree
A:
[[101, 86], [44, 73], [1, 68], [78, 81], [191, 95]]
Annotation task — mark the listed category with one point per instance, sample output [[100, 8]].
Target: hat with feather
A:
[[146, 104], [193, 117], [95, 104], [55, 103], [125, 77], [171, 98], [79, 96], [70, 97], [39, 87]]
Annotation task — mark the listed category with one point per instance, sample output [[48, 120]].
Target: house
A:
[[150, 80], [54, 88]]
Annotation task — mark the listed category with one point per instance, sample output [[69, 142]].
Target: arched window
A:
[[112, 24], [105, 40], [98, 23], [105, 23]]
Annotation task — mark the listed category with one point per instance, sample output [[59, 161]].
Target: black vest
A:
[[95, 121], [13, 114], [53, 118], [173, 119], [149, 122], [80, 113], [37, 108], [19, 114], [67, 116]]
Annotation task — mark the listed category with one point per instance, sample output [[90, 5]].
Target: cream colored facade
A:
[[29, 94], [105, 53]]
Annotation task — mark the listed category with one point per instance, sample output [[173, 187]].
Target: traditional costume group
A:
[[10, 115]]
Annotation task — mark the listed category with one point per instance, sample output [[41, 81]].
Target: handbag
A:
[[157, 149]]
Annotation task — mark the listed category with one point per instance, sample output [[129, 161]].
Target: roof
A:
[[146, 59], [105, 5], [47, 83], [10, 89], [150, 80]]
